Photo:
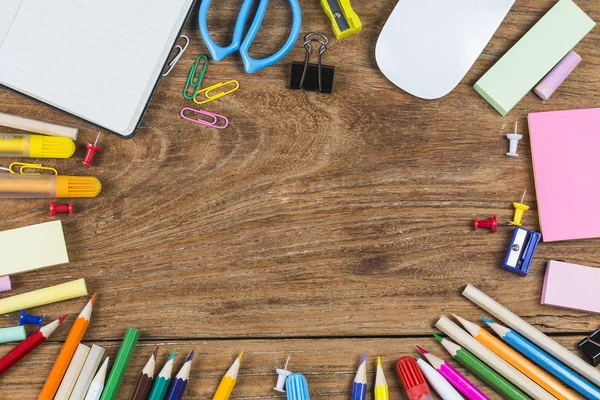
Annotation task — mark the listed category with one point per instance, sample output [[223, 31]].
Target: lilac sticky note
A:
[[5, 285], [571, 286], [564, 147]]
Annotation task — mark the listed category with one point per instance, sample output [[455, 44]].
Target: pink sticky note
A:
[[571, 286], [566, 162]]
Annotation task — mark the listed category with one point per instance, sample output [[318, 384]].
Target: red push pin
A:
[[491, 223], [92, 149], [60, 208]]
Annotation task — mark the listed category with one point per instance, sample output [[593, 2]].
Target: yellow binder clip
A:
[[210, 97], [344, 20], [26, 168]]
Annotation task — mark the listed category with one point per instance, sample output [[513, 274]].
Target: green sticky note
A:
[[118, 370], [528, 61]]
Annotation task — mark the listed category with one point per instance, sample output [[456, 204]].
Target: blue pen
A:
[[545, 360], [359, 388]]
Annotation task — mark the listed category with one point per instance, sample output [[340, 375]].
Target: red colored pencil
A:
[[27, 345]]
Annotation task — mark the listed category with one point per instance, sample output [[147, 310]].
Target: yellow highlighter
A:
[[48, 186], [344, 20], [35, 146], [228, 382]]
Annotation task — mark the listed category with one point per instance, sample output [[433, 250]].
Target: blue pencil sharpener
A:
[[521, 251]]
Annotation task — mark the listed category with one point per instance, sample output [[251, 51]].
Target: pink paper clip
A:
[[212, 124]]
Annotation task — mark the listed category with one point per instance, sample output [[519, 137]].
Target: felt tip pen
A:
[[35, 146], [48, 186]]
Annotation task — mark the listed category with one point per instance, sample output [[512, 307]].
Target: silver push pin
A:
[[283, 375], [514, 142]]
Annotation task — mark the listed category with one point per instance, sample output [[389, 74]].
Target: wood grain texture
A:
[[312, 216]]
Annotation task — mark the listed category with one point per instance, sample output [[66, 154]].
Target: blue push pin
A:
[[296, 387], [30, 319]]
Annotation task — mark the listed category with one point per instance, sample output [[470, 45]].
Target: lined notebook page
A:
[[8, 12], [98, 60]]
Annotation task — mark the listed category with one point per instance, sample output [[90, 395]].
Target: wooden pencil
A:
[[111, 388], [68, 383], [533, 372], [381, 386], [97, 385], [66, 353], [26, 346], [92, 362], [161, 384], [228, 382], [180, 382], [144, 383], [491, 359]]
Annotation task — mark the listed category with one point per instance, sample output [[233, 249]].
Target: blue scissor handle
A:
[[250, 64]]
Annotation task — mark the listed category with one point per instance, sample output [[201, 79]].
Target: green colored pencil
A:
[[161, 384], [118, 370], [485, 373]]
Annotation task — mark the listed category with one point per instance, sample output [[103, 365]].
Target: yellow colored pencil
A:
[[509, 355], [66, 353], [381, 386], [228, 382]]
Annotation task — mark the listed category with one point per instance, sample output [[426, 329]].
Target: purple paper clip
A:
[[212, 124]]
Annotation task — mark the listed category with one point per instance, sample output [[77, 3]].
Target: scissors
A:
[[251, 65]]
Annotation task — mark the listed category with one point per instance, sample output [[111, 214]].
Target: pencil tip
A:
[[438, 337], [172, 356], [422, 350], [61, 319], [155, 353], [364, 357], [190, 356], [487, 321], [379, 361], [93, 299], [240, 355]]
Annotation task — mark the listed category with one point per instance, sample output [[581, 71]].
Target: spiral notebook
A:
[[98, 60]]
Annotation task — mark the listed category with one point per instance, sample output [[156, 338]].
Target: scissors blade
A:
[[339, 15]]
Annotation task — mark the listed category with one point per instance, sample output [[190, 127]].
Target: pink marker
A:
[[456, 379], [5, 285]]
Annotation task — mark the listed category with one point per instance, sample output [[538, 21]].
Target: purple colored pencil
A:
[[455, 378], [180, 382]]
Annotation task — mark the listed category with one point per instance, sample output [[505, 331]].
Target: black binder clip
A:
[[591, 348], [315, 77]]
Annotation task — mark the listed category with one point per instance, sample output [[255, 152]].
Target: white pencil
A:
[[92, 362], [492, 360], [97, 385], [438, 382], [72, 373]]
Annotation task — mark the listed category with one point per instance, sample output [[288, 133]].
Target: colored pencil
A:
[[491, 359], [546, 361], [180, 382], [359, 386], [480, 369], [144, 383], [534, 335], [456, 379], [534, 373], [26, 346], [381, 386], [120, 365], [92, 362], [438, 382], [97, 385], [161, 384], [68, 382], [66, 353], [228, 382]]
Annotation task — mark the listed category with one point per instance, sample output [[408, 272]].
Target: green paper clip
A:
[[190, 80]]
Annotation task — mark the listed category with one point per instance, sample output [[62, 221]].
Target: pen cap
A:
[[50, 147], [296, 387], [68, 187], [412, 378]]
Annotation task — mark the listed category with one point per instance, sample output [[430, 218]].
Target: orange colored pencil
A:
[[66, 354], [534, 373]]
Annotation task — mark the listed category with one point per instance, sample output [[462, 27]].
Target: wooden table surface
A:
[[315, 225]]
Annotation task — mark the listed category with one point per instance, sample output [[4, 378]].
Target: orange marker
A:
[[66, 354], [518, 361]]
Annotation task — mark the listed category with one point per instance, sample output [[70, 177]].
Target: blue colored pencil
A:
[[359, 388], [545, 360], [180, 382]]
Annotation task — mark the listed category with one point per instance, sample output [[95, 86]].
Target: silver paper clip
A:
[[180, 51], [198, 120]]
